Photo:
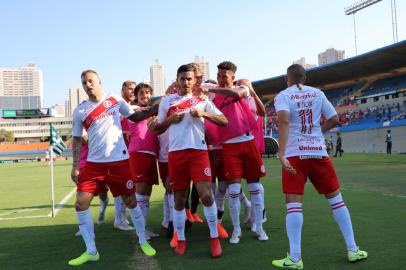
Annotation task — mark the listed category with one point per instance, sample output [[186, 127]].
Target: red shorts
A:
[[320, 172], [186, 165], [94, 176], [163, 171], [217, 164], [243, 160], [143, 168], [102, 189]]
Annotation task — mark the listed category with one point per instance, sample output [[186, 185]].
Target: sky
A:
[[121, 39]]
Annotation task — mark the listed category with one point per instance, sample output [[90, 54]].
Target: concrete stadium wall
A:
[[373, 140]]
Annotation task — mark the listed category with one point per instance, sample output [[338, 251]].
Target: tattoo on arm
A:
[[76, 145]]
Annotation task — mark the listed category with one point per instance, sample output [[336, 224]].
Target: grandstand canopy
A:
[[386, 59]]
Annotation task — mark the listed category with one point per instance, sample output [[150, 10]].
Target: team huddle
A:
[[208, 133]]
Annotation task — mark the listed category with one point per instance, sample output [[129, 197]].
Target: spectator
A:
[[388, 141]]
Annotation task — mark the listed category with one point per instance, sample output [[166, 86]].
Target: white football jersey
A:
[[305, 109], [101, 120]]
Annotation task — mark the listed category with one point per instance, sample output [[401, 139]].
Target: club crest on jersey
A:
[[263, 168], [193, 101], [207, 171], [129, 184], [107, 104]]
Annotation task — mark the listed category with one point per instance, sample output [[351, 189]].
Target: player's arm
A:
[[218, 119], [329, 113], [260, 106], [76, 146], [330, 123], [143, 113], [283, 130], [237, 92]]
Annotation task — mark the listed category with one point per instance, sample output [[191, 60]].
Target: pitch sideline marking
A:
[[19, 211], [383, 194], [58, 208]]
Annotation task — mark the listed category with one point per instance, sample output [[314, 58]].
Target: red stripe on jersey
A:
[[98, 111], [184, 105]]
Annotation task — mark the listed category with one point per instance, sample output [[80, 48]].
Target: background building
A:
[[330, 56], [157, 78], [204, 67], [21, 88], [75, 96], [302, 62]]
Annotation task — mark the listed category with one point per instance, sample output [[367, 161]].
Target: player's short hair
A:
[[227, 65], [88, 71], [141, 86], [185, 68], [297, 73], [196, 67], [126, 83]]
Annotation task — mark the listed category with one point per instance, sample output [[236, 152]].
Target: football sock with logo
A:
[[179, 219], [342, 217], [85, 222], [294, 223], [210, 212], [234, 205], [139, 223]]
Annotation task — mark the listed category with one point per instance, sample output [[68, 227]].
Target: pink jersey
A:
[[239, 116], [259, 135], [142, 139]]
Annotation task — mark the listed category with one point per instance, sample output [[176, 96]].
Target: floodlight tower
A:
[[354, 8], [394, 21]]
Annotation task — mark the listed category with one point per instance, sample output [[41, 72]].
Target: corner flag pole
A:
[[51, 158]]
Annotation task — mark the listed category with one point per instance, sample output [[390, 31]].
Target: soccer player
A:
[[241, 156], [120, 218], [184, 115], [303, 155], [143, 151], [107, 162]]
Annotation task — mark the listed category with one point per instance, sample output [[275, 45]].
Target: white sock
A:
[[257, 203], [118, 205], [171, 200], [210, 212], [234, 204], [85, 222], [143, 202], [179, 219], [103, 204], [220, 195], [139, 223], [294, 223], [244, 199], [166, 210], [342, 217]]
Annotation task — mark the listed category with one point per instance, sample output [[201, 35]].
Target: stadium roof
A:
[[378, 61]]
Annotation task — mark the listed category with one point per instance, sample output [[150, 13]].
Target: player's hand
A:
[[176, 117], [196, 112], [74, 175], [286, 165], [152, 123]]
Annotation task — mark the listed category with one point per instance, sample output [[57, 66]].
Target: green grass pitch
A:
[[374, 189]]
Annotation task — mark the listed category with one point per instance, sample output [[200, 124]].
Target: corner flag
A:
[[56, 141], [55, 145]]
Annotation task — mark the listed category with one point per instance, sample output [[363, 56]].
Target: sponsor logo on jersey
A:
[[305, 96], [310, 148]]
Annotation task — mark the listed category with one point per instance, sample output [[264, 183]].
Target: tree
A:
[[6, 136]]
